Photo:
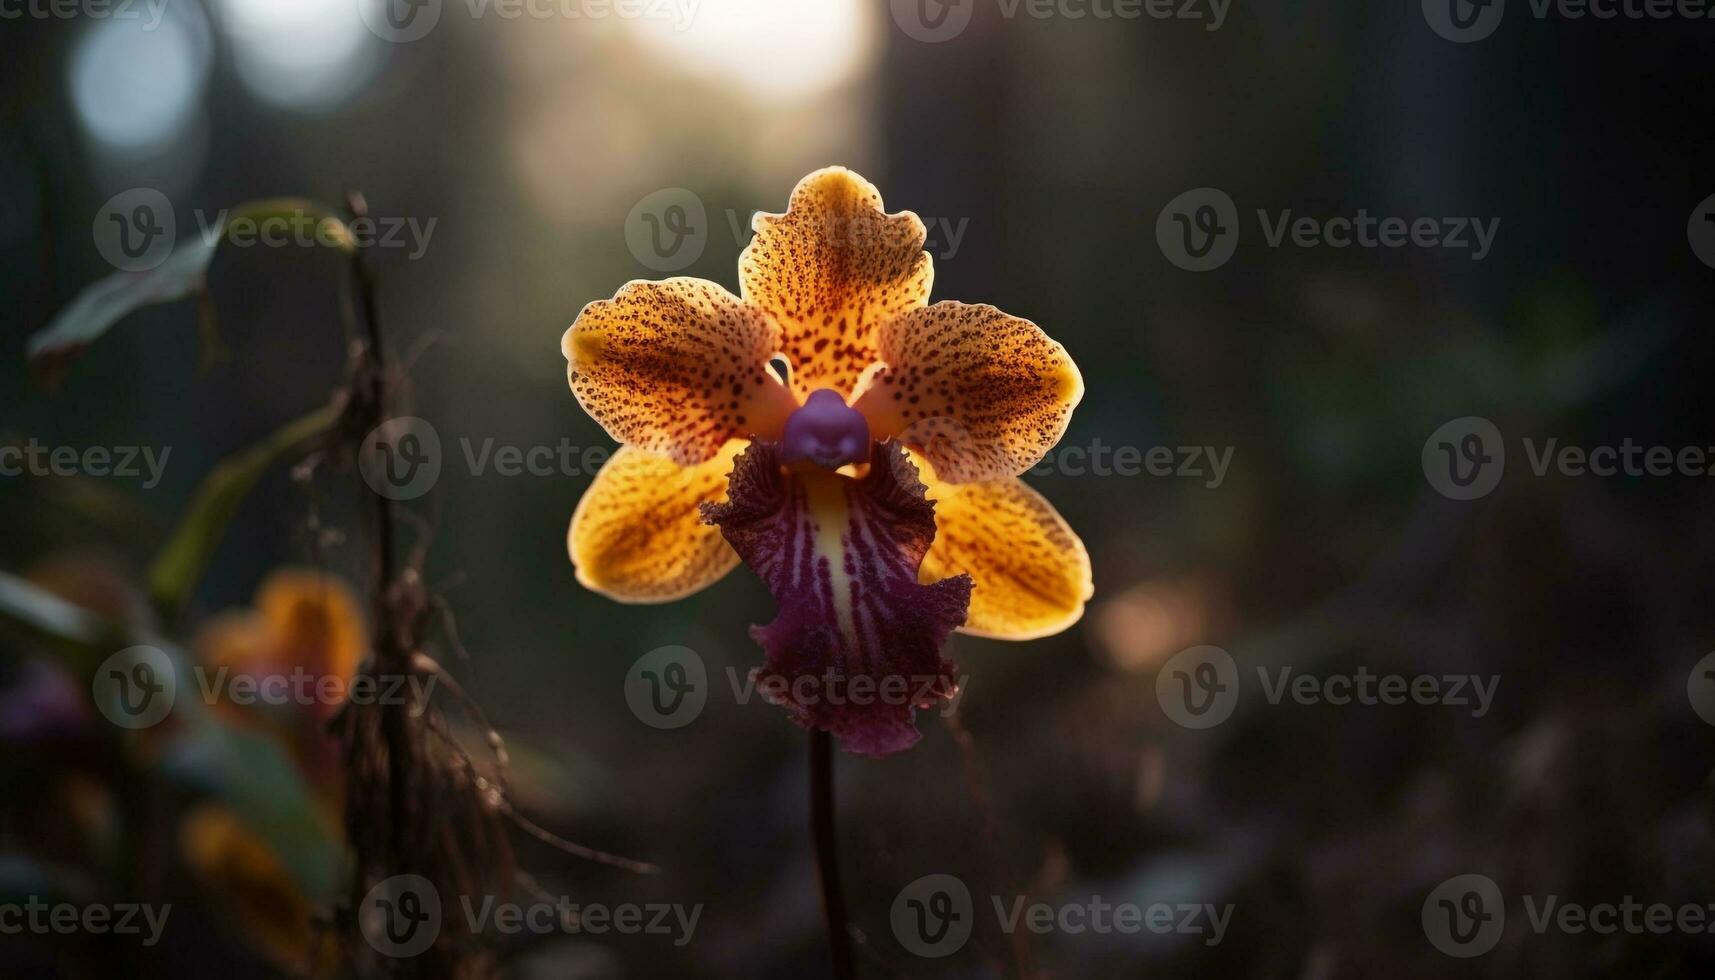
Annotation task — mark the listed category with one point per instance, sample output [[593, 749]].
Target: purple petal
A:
[[856, 646]]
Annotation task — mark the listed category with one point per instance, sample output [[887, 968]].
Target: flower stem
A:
[[390, 657], [827, 852]]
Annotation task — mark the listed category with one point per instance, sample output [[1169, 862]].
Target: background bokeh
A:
[[1049, 146]]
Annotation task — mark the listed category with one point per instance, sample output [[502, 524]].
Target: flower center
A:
[[826, 431]]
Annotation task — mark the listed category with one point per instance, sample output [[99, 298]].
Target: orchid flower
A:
[[872, 484]]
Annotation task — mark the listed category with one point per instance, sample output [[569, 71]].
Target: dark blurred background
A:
[[1051, 145]]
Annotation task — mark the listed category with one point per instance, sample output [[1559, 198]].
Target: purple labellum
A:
[[856, 646]]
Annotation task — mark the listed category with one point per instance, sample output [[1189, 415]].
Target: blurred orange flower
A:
[[304, 640]]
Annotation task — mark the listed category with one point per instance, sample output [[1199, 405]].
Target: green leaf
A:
[[179, 565], [254, 774], [46, 614], [184, 273]]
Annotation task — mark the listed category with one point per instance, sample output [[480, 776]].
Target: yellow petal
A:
[[982, 394], [243, 878], [677, 367], [315, 622], [832, 270], [637, 535], [1032, 574], [234, 638]]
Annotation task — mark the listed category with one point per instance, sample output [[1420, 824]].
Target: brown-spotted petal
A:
[[1030, 571], [638, 535], [856, 646], [982, 394], [832, 270], [676, 367]]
